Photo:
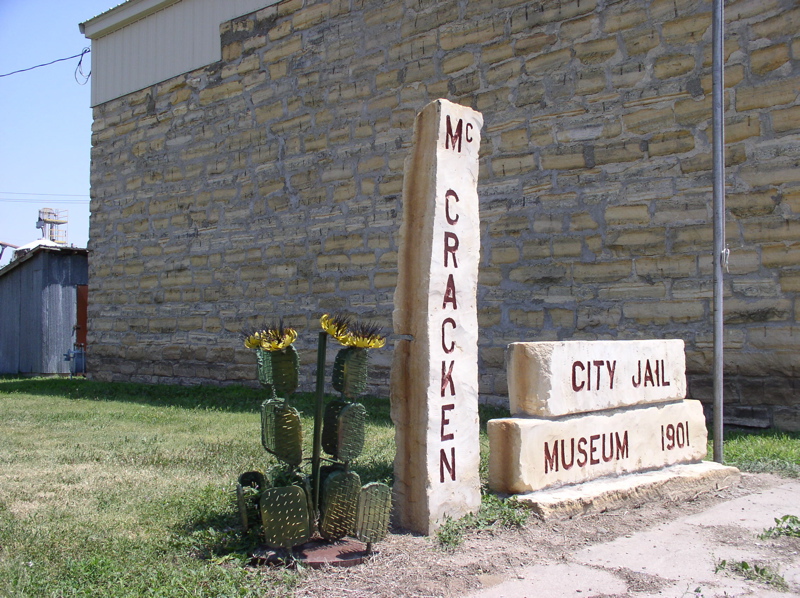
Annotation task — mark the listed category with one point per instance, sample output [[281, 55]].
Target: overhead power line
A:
[[45, 194], [41, 201], [78, 69]]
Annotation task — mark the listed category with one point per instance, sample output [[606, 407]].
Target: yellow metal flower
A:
[[278, 339], [270, 338], [336, 325], [364, 343], [365, 335], [253, 340], [353, 334]]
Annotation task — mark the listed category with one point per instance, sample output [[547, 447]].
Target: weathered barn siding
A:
[[268, 184], [38, 296], [20, 343]]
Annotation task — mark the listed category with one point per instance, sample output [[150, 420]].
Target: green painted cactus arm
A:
[[281, 431], [264, 367], [285, 518], [279, 370], [350, 438], [340, 492], [343, 429], [350, 370], [330, 426], [285, 371], [372, 513]]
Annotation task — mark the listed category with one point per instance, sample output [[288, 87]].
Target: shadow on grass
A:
[[732, 433], [217, 535], [234, 398], [224, 398]]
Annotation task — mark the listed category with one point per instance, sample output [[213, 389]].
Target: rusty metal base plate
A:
[[315, 554]]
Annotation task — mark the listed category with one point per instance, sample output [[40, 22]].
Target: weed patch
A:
[[494, 512], [788, 525], [753, 572]]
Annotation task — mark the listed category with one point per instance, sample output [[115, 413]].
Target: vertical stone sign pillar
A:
[[434, 380]]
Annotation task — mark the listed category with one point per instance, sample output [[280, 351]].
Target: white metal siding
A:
[[180, 38]]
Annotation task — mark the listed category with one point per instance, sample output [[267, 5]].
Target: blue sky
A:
[[45, 117]]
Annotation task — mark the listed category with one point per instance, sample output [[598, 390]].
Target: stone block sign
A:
[[591, 409], [530, 454], [434, 378], [559, 378]]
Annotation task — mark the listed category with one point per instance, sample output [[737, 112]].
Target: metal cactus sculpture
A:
[[330, 500]]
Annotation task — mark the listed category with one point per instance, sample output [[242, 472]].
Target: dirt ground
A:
[[416, 567]]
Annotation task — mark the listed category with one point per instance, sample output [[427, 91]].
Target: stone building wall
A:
[[269, 184]]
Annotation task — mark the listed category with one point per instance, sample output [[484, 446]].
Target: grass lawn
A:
[[128, 490], [762, 451]]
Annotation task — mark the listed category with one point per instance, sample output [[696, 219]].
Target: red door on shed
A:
[[83, 304]]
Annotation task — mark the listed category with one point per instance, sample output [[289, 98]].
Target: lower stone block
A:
[[527, 454], [676, 482]]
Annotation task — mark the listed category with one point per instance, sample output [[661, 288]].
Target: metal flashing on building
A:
[[143, 42]]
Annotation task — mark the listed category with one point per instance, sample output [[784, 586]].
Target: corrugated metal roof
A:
[[37, 249]]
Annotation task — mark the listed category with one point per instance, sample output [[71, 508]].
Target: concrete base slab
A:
[[676, 482], [677, 558]]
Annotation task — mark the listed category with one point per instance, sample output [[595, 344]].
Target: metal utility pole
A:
[[720, 252]]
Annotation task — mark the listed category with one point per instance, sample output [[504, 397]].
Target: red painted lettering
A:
[[453, 138], [648, 373], [611, 366], [444, 464], [622, 445], [447, 197], [670, 437], [610, 456], [593, 449], [447, 379], [674, 436], [551, 459], [664, 381], [452, 322], [637, 383], [469, 139], [598, 364], [446, 421], [450, 293], [582, 452], [564, 463], [450, 248], [581, 381], [575, 366]]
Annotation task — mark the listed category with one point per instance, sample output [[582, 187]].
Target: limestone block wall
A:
[[268, 185]]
